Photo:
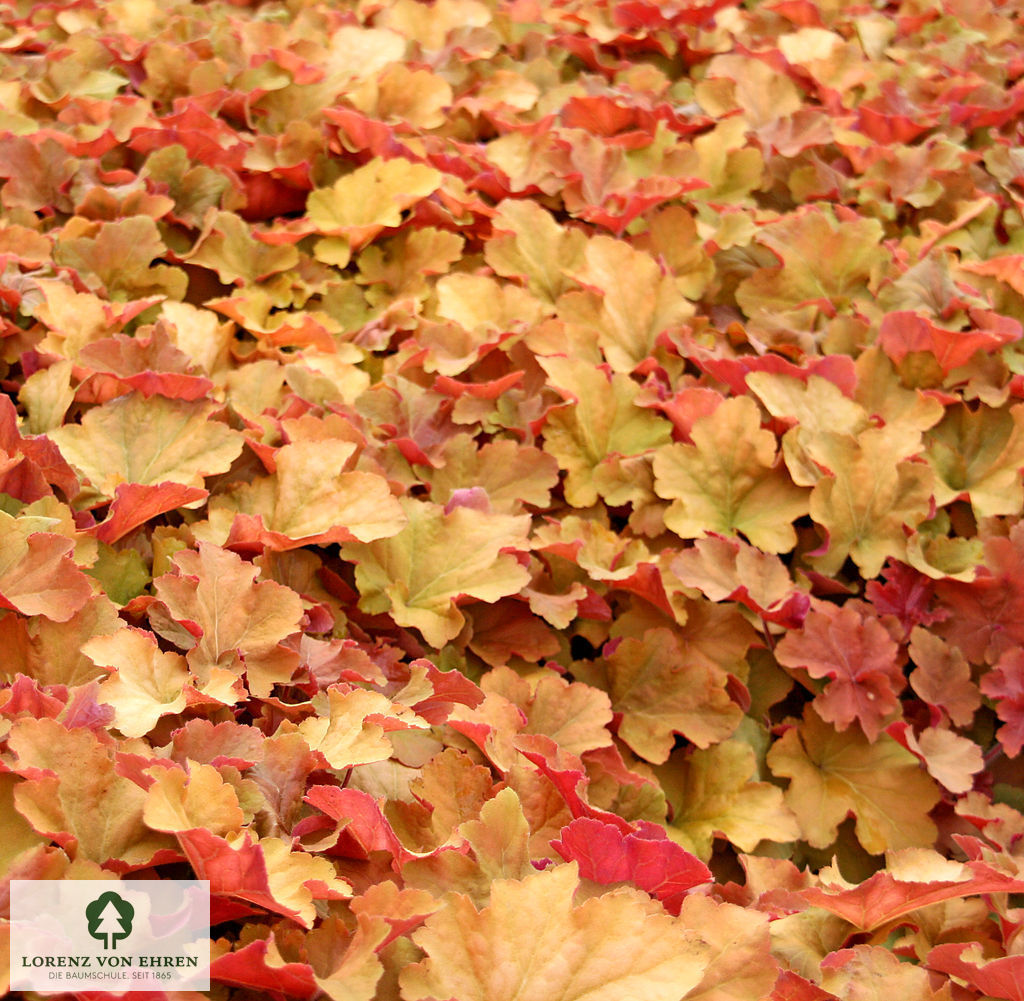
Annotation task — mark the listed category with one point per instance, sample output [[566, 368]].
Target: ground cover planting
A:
[[523, 497]]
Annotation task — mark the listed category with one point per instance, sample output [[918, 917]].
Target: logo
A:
[[110, 936], [110, 918]]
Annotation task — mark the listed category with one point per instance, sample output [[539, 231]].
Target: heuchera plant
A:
[[523, 497]]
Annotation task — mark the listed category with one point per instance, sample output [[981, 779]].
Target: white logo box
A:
[[111, 935]]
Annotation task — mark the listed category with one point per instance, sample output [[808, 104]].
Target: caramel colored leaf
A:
[[661, 690], [439, 556], [602, 422], [714, 792], [834, 774], [180, 800], [227, 620], [132, 439], [729, 480], [84, 798], [532, 942], [872, 494], [37, 576], [147, 682]]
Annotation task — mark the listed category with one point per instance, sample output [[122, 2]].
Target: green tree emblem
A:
[[110, 918]]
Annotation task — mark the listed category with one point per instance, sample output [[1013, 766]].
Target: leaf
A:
[[82, 799], [979, 454], [500, 838], [254, 967], [531, 941], [311, 500], [135, 504], [602, 422], [821, 259], [37, 577], [116, 258], [46, 396], [712, 794], [50, 651], [182, 799], [914, 878], [135, 440], [147, 683], [660, 690], [1005, 684], [607, 856], [1001, 976], [836, 773], [903, 333], [152, 365], [742, 965], [872, 494], [511, 475], [632, 302], [371, 198], [985, 617], [440, 555], [729, 481], [873, 972], [265, 872], [854, 650], [450, 790], [729, 569], [942, 677], [531, 245], [351, 725], [229, 247], [573, 714], [214, 608], [950, 758]]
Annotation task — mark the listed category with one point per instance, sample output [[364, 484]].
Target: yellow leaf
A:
[[229, 247], [417, 575], [834, 773], [132, 439], [180, 800], [532, 942], [729, 481], [712, 793], [345, 735], [372, 198], [979, 453], [628, 303], [741, 966], [530, 244], [148, 683], [872, 494], [603, 422], [311, 499]]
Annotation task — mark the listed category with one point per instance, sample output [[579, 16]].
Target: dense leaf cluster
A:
[[524, 497]]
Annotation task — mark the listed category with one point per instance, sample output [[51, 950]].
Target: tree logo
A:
[[110, 918]]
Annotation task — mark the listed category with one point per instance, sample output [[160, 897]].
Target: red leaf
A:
[[364, 827], [136, 503], [247, 967], [1005, 683], [606, 855], [791, 986], [1002, 977], [854, 649], [882, 897], [905, 332]]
